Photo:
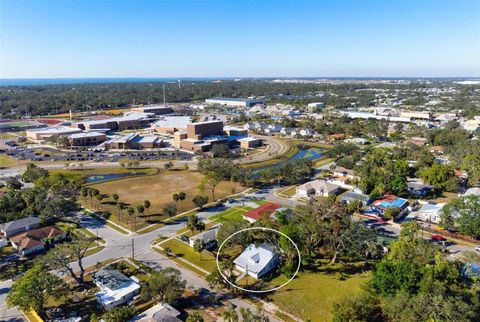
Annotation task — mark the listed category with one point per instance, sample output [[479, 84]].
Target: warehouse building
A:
[[235, 102]]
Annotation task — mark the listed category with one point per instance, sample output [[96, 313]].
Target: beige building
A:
[[44, 133], [87, 138], [249, 142], [171, 124], [420, 116]]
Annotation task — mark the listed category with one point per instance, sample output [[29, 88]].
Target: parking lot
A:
[[50, 154]]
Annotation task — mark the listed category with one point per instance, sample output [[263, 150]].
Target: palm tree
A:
[[131, 212], [84, 193], [120, 208], [192, 223], [140, 210], [90, 194], [199, 246], [182, 196], [146, 204], [175, 197], [99, 198], [95, 193]]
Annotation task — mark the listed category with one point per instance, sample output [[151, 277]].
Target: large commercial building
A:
[[204, 129], [87, 138], [235, 131], [133, 141], [417, 116], [132, 120], [42, 134], [157, 109], [235, 102], [171, 124]]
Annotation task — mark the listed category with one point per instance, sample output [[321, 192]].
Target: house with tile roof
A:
[[36, 240]]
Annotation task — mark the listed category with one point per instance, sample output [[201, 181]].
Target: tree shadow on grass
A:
[[344, 270]]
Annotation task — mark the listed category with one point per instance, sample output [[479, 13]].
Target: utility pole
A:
[[133, 249], [163, 94]]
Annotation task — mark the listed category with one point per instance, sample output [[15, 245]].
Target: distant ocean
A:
[[59, 81]]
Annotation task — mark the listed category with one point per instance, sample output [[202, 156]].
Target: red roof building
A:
[[257, 213]]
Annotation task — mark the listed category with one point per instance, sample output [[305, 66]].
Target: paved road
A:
[[119, 245], [275, 148], [6, 314]]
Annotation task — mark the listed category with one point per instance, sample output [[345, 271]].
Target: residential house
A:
[[3, 242], [343, 172], [257, 261], [208, 238], [161, 312], [306, 132], [350, 196], [430, 212], [18, 226], [358, 141], [475, 191], [317, 188], [286, 131], [317, 106], [378, 207], [257, 213], [36, 240], [275, 127], [115, 288], [419, 189]]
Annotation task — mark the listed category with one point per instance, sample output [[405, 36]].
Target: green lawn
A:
[[7, 162], [312, 294], [184, 251], [231, 214], [288, 192]]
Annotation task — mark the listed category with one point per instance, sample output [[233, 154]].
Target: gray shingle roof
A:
[[20, 223]]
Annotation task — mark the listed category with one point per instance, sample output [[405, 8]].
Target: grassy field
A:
[[288, 192], [158, 189], [312, 294], [182, 250], [7, 162], [231, 214], [84, 173]]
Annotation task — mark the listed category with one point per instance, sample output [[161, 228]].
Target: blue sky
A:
[[83, 38]]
